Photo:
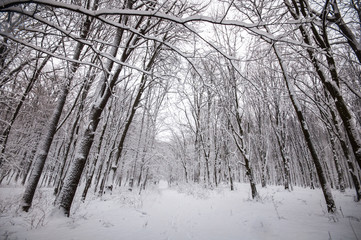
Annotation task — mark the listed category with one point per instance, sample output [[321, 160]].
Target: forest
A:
[[98, 96]]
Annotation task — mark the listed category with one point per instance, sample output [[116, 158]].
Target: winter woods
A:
[[97, 95]]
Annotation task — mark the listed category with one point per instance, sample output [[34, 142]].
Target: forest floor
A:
[[184, 212]]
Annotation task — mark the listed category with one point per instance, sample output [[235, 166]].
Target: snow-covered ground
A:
[[185, 212]]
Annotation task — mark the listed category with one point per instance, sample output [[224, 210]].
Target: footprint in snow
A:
[[142, 213], [107, 224]]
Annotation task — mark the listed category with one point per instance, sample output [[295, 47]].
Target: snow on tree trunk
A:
[[43, 151], [347, 32], [45, 144], [103, 95], [347, 116], [95, 161], [6, 132], [331, 206], [346, 152], [76, 168]]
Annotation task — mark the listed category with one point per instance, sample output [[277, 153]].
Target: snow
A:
[[252, 27], [185, 212]]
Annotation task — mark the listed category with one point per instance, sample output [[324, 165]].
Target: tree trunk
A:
[[238, 136], [346, 152], [134, 108], [93, 165], [340, 175], [347, 33], [331, 207], [345, 113], [43, 150], [47, 138], [6, 132], [104, 93], [76, 168]]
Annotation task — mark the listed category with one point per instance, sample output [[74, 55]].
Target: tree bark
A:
[[346, 31], [103, 95], [331, 206], [345, 113], [95, 161], [346, 152], [43, 151], [6, 132], [47, 138], [76, 169]]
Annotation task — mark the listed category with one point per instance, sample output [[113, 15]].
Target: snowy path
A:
[[202, 215]]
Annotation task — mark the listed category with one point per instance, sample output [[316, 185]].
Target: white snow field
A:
[[185, 212]]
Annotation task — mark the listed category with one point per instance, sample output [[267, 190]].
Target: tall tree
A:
[[331, 207], [47, 138]]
